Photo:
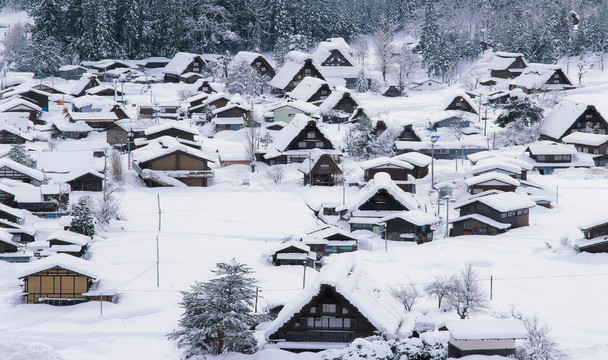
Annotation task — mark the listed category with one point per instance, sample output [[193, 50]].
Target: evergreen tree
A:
[[520, 109], [98, 39], [244, 79], [218, 313], [48, 18], [83, 221], [129, 25], [362, 84], [283, 30], [18, 153], [430, 43]]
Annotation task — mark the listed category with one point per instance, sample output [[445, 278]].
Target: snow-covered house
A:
[[13, 170], [59, 279], [208, 87], [167, 162], [400, 171], [71, 72], [234, 116], [18, 105], [516, 169], [68, 130], [182, 63], [191, 77], [96, 120], [507, 65], [546, 156], [12, 135], [419, 161], [484, 337], [27, 92], [460, 102], [541, 78], [596, 145], [343, 304], [165, 110], [297, 66], [286, 111], [37, 199], [339, 105], [294, 253], [413, 225], [379, 198], [312, 90], [173, 129], [570, 116], [82, 180], [68, 242], [257, 61], [210, 103], [327, 240], [320, 169], [492, 180], [337, 65], [491, 214], [295, 141], [87, 81], [595, 236], [426, 84], [105, 90]]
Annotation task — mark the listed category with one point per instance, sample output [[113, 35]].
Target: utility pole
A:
[[257, 293], [304, 277], [447, 216], [157, 247], [491, 285], [100, 304]]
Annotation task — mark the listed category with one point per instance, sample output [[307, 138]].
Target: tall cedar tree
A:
[[218, 313], [520, 109], [83, 221]]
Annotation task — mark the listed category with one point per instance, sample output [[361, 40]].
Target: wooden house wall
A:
[[173, 133], [420, 172], [7, 248], [55, 283], [464, 105], [589, 119], [479, 208], [310, 325], [115, 135], [601, 247], [455, 352], [263, 67], [7, 198], [320, 95], [6, 172], [10, 138], [382, 200], [397, 226], [346, 104], [408, 134], [552, 158], [395, 173], [86, 182], [476, 189], [304, 141], [307, 70], [93, 82], [467, 227], [596, 231], [177, 161], [324, 172], [336, 58]]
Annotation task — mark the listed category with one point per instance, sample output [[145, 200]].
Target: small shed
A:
[[413, 225], [320, 169], [484, 337], [294, 253]]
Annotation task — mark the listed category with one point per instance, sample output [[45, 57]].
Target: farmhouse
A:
[[182, 63], [491, 214], [17, 105], [11, 251], [257, 62], [286, 111], [419, 161], [413, 225], [399, 171], [506, 65], [338, 66], [595, 145], [541, 78], [548, 156], [570, 116], [294, 253], [297, 66], [327, 240], [12, 135], [595, 236], [491, 181], [339, 106], [312, 90], [342, 305], [320, 169]]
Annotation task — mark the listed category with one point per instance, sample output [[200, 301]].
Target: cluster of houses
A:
[[311, 93]]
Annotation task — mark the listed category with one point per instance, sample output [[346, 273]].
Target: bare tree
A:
[[439, 287], [108, 207], [116, 167], [581, 71], [252, 144], [539, 345], [404, 65], [383, 41], [464, 294], [360, 48], [407, 295], [276, 173]]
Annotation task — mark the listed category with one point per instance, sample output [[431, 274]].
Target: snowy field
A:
[[199, 227]]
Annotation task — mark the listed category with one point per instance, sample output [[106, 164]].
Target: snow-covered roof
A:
[[416, 217], [483, 219], [306, 88], [503, 202], [536, 76], [551, 148], [311, 160], [384, 161], [82, 83], [357, 287], [166, 145], [496, 163], [336, 95], [561, 118], [65, 261], [247, 56], [381, 181], [71, 67], [96, 102], [597, 221], [291, 130], [492, 177], [69, 237], [97, 115], [300, 105], [14, 103], [15, 131], [297, 244], [588, 139], [415, 158], [170, 125], [179, 63], [66, 126], [325, 232], [33, 173], [487, 329], [285, 74]]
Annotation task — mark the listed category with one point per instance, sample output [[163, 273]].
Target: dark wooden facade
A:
[[39, 98], [93, 82], [7, 247], [392, 91], [7, 137], [197, 65], [516, 218], [346, 105], [512, 71], [470, 226], [87, 182], [308, 69], [309, 138], [178, 160], [396, 173], [9, 173], [292, 250], [325, 172], [336, 58], [328, 317], [320, 95], [408, 134], [460, 103], [455, 352], [402, 230], [479, 188], [174, 133], [382, 201], [263, 67], [590, 120]]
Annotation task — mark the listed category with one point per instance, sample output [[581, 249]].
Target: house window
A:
[[346, 323], [206, 88], [589, 116], [324, 166], [310, 322], [329, 308], [335, 323], [310, 135], [258, 63], [319, 144], [263, 68], [302, 144], [323, 92], [307, 71], [313, 310], [540, 157], [344, 310]]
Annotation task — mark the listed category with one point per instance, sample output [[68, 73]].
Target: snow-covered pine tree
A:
[[362, 84], [520, 109], [129, 24], [83, 221], [430, 41], [283, 30], [362, 145], [98, 39], [218, 313], [18, 153]]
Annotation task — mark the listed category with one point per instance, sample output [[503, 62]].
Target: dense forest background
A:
[[67, 31]]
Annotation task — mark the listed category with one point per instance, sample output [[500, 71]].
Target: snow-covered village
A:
[[303, 179]]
